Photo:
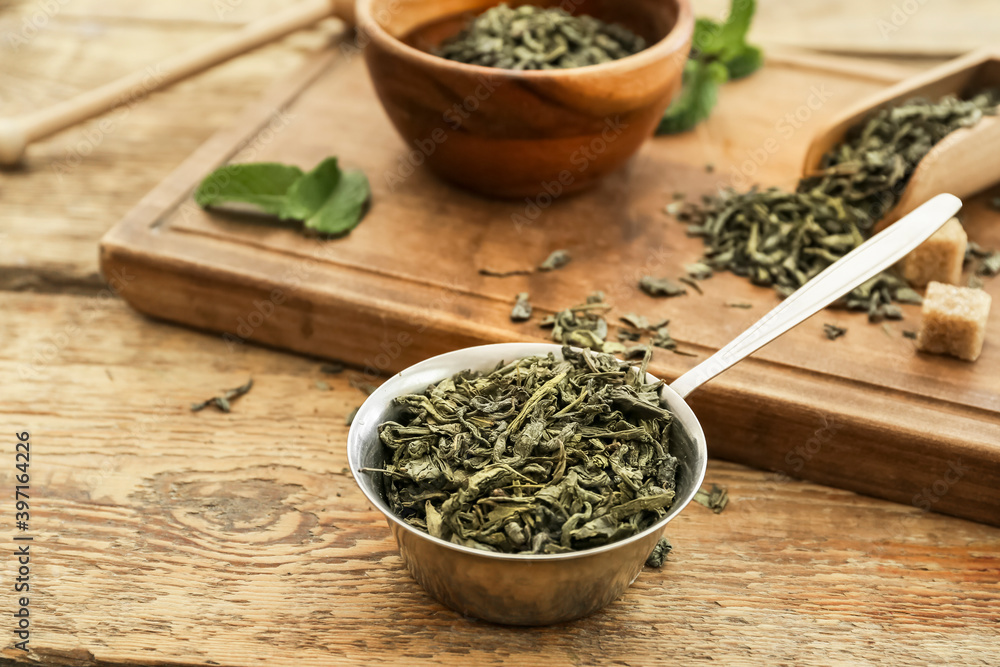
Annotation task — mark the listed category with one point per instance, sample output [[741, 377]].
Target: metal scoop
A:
[[543, 589]]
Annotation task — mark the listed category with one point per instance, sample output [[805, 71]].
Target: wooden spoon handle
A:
[[16, 133]]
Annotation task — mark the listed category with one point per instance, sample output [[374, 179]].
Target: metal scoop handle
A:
[[867, 260]]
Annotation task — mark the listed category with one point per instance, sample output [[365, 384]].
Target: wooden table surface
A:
[[162, 536]]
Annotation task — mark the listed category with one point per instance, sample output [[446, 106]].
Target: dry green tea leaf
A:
[[522, 308], [349, 419], [833, 332], [497, 273], [532, 38], [714, 499], [223, 402], [557, 260], [783, 239], [661, 287], [659, 554], [537, 456]]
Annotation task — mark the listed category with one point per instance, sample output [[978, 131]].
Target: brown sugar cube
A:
[[954, 321], [939, 258]]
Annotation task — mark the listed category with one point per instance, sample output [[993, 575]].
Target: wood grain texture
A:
[[166, 537], [254, 559], [91, 175], [871, 26], [406, 284]]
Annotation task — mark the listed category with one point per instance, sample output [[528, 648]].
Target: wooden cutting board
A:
[[865, 412]]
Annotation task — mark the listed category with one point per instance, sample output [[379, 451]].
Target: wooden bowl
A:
[[509, 133]]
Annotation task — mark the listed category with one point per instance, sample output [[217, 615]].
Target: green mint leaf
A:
[[345, 207], [745, 63], [309, 193], [724, 40], [733, 36], [698, 96], [262, 185], [705, 40]]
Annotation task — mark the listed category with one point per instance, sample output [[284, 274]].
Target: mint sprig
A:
[[328, 200], [719, 53]]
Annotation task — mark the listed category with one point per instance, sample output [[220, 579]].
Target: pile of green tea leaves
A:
[[719, 53], [535, 38], [783, 239], [539, 456], [869, 170], [328, 200]]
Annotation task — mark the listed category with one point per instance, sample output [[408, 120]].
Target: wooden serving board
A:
[[865, 412]]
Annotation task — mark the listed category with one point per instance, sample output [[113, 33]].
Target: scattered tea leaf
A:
[[349, 419], [522, 308], [892, 312], [910, 334], [907, 295], [739, 305], [698, 271], [322, 386], [223, 402], [624, 335], [660, 287], [714, 499], [557, 260], [332, 368], [495, 273], [693, 284], [662, 338], [674, 208], [637, 321], [989, 265], [636, 351], [833, 332], [584, 326], [659, 554]]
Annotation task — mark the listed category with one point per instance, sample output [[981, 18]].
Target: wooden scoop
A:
[[964, 163]]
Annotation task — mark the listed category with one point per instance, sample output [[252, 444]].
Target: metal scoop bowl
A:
[[544, 589]]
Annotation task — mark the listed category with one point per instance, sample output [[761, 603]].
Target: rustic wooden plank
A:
[[916, 28], [167, 537], [91, 175]]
